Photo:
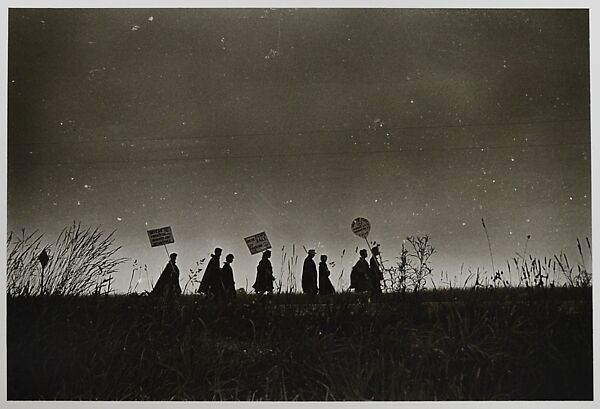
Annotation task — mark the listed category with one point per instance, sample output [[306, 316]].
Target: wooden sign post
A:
[[161, 237]]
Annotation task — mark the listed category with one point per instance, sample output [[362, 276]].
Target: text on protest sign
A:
[[162, 236], [361, 227], [258, 243]]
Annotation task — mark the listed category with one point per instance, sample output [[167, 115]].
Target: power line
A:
[[161, 161], [301, 133]]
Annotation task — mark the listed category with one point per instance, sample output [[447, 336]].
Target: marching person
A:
[[227, 277], [359, 277], [264, 275], [376, 275], [168, 282], [325, 286], [211, 283], [309, 274]]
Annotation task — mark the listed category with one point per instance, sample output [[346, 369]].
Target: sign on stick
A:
[[258, 243], [361, 227], [162, 236]]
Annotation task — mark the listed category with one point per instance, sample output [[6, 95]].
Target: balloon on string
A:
[[361, 227]]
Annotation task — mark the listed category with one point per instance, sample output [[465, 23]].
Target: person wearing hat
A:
[[264, 275], [227, 277], [309, 274]]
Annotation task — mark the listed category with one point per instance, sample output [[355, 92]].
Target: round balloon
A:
[[361, 227]]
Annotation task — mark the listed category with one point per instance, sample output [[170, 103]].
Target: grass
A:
[[453, 344], [82, 261]]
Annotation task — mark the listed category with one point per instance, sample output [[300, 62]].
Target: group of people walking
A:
[[218, 282], [367, 276], [364, 277]]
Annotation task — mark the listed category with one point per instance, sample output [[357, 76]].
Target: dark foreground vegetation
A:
[[479, 344]]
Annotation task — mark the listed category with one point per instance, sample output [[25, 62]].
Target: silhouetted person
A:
[[211, 283], [375, 272], [309, 274], [227, 277], [168, 282], [359, 277], [325, 286], [264, 275]]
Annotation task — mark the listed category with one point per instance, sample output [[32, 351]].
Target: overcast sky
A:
[[226, 123]]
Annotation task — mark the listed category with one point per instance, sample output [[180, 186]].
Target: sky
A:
[[223, 123]]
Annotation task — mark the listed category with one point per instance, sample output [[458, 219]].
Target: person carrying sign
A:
[[168, 282], [211, 283], [375, 272], [309, 274], [359, 277], [325, 286], [227, 277], [264, 275]]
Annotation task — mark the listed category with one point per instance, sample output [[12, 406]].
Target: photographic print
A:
[[318, 204]]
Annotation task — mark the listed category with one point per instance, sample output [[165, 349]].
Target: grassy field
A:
[[477, 344]]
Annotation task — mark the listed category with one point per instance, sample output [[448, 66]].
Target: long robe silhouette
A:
[[168, 282], [227, 279], [375, 275], [211, 283], [359, 277], [264, 276], [309, 275], [325, 286]]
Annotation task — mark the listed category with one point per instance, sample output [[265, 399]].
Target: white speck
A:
[[376, 200], [464, 224], [146, 223], [61, 124], [512, 159], [72, 178], [87, 186], [151, 18], [235, 193], [119, 219], [42, 21], [527, 220], [135, 28], [272, 54], [510, 232], [78, 203], [30, 152], [570, 197], [412, 101]]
